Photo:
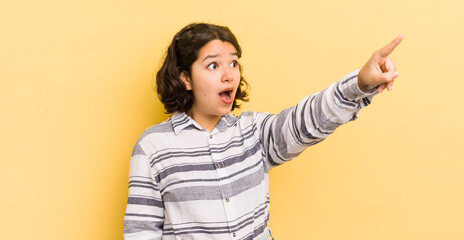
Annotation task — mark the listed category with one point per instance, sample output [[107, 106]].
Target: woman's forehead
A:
[[217, 48]]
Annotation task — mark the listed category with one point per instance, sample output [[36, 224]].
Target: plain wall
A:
[[76, 91]]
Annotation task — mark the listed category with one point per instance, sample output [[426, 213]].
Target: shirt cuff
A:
[[352, 90]]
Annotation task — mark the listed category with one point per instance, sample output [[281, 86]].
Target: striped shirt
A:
[[188, 183]]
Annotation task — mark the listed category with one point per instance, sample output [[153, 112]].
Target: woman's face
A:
[[214, 80]]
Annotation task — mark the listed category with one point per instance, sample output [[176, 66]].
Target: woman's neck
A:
[[207, 122]]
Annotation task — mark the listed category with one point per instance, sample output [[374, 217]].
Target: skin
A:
[[380, 69], [217, 69]]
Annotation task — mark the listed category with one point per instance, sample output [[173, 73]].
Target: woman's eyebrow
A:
[[216, 55], [210, 56]]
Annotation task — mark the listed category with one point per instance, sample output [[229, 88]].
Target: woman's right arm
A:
[[144, 218]]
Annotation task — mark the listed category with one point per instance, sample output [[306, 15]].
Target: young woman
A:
[[203, 173]]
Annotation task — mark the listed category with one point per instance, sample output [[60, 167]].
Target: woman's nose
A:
[[227, 75]]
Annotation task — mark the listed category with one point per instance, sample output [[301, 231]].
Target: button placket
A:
[[216, 156], [221, 173]]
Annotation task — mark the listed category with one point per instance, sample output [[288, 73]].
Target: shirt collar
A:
[[226, 122], [181, 121]]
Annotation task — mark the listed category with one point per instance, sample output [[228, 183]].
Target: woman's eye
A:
[[212, 66], [234, 64]]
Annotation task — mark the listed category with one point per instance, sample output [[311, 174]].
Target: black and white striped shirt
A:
[[188, 183]]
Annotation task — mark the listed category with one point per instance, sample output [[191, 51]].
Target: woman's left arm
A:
[[287, 134]]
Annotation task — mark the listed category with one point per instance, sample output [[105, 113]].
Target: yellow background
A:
[[76, 91]]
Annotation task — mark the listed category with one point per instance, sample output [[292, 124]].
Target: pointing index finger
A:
[[385, 51]]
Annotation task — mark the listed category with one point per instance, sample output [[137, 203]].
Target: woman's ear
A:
[[187, 80]]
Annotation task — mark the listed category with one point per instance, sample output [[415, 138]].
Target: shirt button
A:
[[227, 200], [218, 164], [234, 234], [210, 136]]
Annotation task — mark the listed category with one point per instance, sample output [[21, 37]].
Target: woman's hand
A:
[[379, 70]]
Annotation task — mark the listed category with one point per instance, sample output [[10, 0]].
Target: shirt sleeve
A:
[[144, 216], [285, 135]]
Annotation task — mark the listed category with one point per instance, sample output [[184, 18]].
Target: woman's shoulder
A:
[[162, 127], [252, 117], [253, 114], [152, 136]]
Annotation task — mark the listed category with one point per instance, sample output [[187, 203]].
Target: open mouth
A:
[[226, 96]]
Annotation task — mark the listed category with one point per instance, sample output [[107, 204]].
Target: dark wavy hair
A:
[[179, 58]]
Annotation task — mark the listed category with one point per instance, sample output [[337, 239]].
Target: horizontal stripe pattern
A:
[[188, 183]]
